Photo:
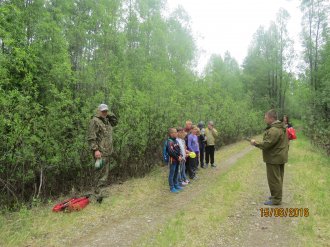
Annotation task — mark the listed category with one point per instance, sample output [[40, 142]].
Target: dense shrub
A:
[[60, 59]]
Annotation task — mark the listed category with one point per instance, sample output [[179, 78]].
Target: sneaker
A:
[[178, 188], [184, 183], [187, 181], [213, 165], [206, 166], [174, 190]]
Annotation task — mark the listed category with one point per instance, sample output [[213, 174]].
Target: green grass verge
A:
[[311, 178]]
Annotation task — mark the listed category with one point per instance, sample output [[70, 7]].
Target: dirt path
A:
[[221, 208], [244, 225], [123, 230]]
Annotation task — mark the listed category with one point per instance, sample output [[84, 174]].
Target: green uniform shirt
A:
[[275, 144]]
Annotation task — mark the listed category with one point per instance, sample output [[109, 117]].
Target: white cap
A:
[[103, 107]]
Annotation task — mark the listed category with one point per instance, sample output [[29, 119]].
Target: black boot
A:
[[99, 199]]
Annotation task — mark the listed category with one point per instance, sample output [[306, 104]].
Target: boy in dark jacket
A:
[[174, 152], [201, 142]]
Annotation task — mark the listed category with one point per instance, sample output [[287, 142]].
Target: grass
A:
[[196, 223], [311, 179], [41, 227], [309, 170]]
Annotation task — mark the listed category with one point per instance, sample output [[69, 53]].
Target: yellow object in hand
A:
[[192, 155]]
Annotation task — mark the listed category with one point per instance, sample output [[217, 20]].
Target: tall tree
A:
[[315, 39], [314, 22], [267, 66]]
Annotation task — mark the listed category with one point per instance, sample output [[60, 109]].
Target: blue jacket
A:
[[193, 143]]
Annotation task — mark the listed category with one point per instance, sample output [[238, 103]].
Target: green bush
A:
[[60, 59]]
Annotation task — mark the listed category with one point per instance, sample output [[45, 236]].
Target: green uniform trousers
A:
[[275, 175]]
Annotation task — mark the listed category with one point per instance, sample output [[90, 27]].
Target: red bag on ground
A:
[[73, 204], [291, 133]]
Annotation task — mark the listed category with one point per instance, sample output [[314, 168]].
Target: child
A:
[[184, 152], [188, 126], [210, 135], [201, 141], [174, 152], [193, 146]]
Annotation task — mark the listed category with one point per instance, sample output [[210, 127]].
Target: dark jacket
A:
[[173, 149], [201, 142], [275, 144]]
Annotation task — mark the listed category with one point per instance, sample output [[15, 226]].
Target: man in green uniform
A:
[[100, 143], [274, 148]]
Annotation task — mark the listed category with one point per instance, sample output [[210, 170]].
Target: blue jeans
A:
[[173, 175], [183, 176]]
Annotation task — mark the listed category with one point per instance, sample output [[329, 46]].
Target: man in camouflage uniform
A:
[[100, 142], [274, 146]]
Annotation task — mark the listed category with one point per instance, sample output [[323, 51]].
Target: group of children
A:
[[185, 149]]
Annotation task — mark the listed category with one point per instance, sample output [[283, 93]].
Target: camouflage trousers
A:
[[101, 178]]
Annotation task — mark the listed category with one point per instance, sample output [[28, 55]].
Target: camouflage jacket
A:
[[100, 134], [210, 136]]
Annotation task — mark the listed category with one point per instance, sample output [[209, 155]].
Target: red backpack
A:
[[73, 204], [291, 133]]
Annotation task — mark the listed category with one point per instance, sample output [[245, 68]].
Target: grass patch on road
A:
[[196, 223]]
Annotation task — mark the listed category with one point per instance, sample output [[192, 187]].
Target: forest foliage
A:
[[59, 59]]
